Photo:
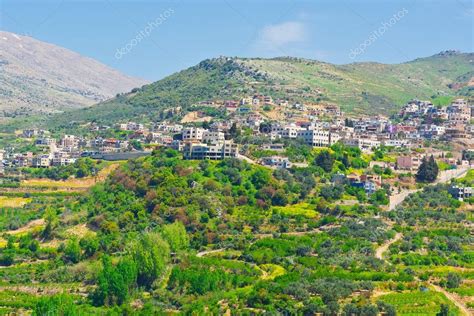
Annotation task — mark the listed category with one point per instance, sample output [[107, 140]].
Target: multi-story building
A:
[[286, 131], [318, 137], [396, 143], [311, 135], [218, 151], [193, 133], [42, 161], [461, 193], [24, 160], [364, 143], [62, 159], [459, 112], [70, 141], [273, 147], [212, 137], [408, 162], [131, 126]]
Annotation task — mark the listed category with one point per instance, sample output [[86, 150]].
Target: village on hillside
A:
[[262, 130]]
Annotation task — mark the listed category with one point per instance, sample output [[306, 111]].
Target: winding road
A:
[[444, 177], [395, 200]]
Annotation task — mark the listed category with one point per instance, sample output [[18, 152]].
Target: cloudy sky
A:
[[152, 39]]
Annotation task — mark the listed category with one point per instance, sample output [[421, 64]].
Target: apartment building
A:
[[212, 137], [409, 163], [218, 151], [193, 133]]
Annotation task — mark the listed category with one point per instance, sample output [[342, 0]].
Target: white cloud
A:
[[279, 35]]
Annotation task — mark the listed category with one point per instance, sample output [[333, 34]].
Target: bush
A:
[[57, 305], [453, 280]]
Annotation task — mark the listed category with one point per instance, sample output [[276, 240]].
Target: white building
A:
[[62, 159], [396, 143], [318, 137], [365, 144], [42, 161], [69, 141], [277, 162], [200, 151], [193, 134], [212, 137]]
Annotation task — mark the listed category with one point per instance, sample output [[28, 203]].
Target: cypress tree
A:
[[428, 170]]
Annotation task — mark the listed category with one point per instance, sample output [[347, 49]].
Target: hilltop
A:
[[359, 88], [41, 78]]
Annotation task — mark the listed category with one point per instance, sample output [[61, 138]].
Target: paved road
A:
[[250, 161], [444, 176], [397, 199]]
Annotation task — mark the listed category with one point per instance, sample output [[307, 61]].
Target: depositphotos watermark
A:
[[143, 33], [375, 35]]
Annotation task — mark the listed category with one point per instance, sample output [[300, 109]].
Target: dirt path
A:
[[250, 161], [384, 247], [208, 252], [31, 225], [452, 298], [261, 236], [314, 231]]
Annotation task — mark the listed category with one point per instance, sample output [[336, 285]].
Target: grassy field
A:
[[271, 271], [411, 303], [300, 209], [7, 201], [82, 183], [468, 179]]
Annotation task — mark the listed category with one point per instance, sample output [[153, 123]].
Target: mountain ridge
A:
[[359, 88], [43, 78]]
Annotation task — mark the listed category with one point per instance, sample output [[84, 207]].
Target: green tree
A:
[[72, 251], [151, 255], [388, 309], [428, 170], [324, 160], [136, 144], [453, 280], [444, 310], [345, 160], [176, 236], [114, 283], [34, 245], [380, 197], [89, 244], [56, 305], [7, 257], [280, 198], [260, 178], [51, 219], [234, 131]]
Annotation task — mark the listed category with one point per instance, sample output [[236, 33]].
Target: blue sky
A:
[[152, 39]]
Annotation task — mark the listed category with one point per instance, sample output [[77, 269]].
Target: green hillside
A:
[[357, 88], [167, 236]]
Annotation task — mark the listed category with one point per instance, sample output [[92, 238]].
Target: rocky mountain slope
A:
[[39, 78]]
